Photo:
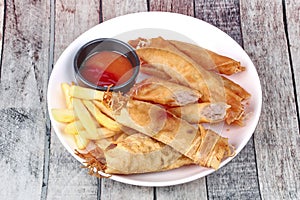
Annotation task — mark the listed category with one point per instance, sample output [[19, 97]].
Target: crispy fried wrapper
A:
[[166, 58], [206, 58], [201, 112], [164, 92], [140, 154], [203, 58], [184, 72], [159, 124], [153, 140], [136, 153], [209, 59]]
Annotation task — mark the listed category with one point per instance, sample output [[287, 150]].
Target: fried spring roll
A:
[[209, 59], [157, 123], [235, 88], [140, 154], [204, 57], [164, 92], [232, 86], [184, 71], [201, 112], [136, 153]]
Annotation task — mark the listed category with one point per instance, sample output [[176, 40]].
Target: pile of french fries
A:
[[86, 116]]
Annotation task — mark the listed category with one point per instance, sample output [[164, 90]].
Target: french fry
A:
[[103, 108], [66, 90], [85, 93], [63, 115], [85, 118], [81, 142], [73, 127], [102, 118], [100, 134]]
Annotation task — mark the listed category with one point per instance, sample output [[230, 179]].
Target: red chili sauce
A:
[[107, 68]]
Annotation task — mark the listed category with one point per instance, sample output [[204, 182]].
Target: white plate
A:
[[169, 26]]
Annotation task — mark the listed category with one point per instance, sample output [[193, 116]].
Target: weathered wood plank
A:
[[71, 20], [223, 14], [1, 29], [66, 179], [21, 152], [22, 108], [24, 75], [185, 7], [111, 189], [238, 178], [197, 188], [192, 190], [114, 8], [115, 190], [277, 139], [293, 28]]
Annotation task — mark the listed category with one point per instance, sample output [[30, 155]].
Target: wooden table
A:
[[35, 165]]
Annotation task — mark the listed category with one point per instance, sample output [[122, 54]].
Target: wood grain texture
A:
[[237, 179], [185, 7], [2, 17], [293, 32], [21, 153], [22, 108], [111, 189], [66, 179], [23, 72], [72, 18], [277, 139], [192, 190], [223, 14], [114, 8]]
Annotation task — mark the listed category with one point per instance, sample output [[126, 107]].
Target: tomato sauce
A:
[[107, 68]]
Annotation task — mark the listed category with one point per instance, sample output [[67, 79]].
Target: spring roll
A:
[[188, 73], [184, 72], [137, 153], [235, 88], [151, 70], [159, 124], [204, 57], [164, 92], [201, 112], [209, 59]]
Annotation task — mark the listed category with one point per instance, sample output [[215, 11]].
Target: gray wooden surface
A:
[[35, 165]]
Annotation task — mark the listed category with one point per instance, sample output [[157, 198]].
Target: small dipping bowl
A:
[[108, 45]]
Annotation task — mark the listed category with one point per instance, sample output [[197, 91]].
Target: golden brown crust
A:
[[185, 72], [201, 112], [202, 146], [204, 57], [164, 92], [209, 59]]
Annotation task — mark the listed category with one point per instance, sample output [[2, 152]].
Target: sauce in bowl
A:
[[106, 68], [106, 64]]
